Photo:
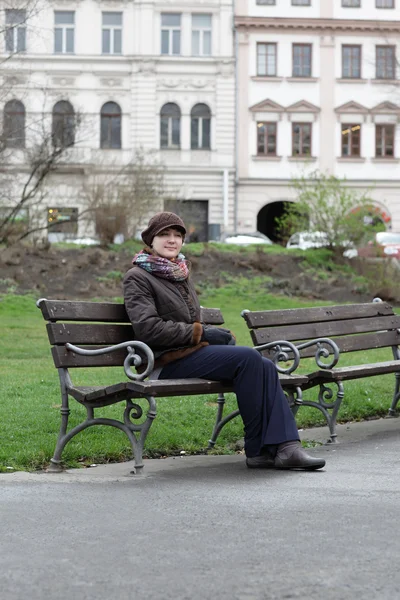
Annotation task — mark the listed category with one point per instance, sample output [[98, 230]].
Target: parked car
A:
[[384, 243], [245, 239], [303, 240]]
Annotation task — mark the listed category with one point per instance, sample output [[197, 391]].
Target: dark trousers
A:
[[267, 418]]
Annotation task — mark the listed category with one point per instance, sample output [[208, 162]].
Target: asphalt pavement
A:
[[196, 528]]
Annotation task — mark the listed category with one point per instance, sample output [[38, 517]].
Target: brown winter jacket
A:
[[164, 315]]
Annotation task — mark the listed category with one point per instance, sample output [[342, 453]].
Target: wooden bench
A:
[[90, 334], [353, 328]]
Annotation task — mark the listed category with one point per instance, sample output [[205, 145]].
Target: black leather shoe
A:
[[294, 457]]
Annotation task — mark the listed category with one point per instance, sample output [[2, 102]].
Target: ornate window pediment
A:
[[386, 108], [353, 108], [267, 106], [303, 107]]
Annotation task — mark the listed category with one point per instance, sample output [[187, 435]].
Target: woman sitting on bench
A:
[[165, 314]]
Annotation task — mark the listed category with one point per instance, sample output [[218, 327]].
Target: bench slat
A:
[[355, 372], [324, 329], [67, 359], [366, 341], [297, 316], [63, 310], [106, 312], [89, 333], [166, 388]]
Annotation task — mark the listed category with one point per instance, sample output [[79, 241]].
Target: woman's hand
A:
[[217, 336]]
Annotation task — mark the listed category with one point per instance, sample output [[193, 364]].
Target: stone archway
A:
[[267, 219]]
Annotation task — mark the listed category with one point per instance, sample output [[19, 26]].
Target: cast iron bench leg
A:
[[220, 422], [396, 396], [325, 394]]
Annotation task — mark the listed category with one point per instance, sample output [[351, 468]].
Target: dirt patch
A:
[[94, 272]]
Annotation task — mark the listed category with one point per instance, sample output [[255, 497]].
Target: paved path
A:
[[198, 528]]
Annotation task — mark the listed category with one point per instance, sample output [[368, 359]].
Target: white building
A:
[[319, 85], [146, 74]]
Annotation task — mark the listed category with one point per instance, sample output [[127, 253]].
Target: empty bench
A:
[[354, 328]]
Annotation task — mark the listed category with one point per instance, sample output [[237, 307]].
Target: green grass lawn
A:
[[30, 396]]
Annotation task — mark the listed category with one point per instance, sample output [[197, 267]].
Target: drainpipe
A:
[[226, 198], [236, 118]]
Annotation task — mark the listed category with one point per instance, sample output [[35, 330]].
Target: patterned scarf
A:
[[173, 270]]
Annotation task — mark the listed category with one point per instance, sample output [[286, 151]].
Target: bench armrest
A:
[[132, 359], [322, 351], [282, 350]]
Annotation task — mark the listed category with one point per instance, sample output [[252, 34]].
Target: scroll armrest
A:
[[326, 348], [282, 352], [132, 358]]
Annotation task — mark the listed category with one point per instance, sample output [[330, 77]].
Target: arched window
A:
[[14, 124], [110, 129], [170, 126], [200, 126], [63, 127]]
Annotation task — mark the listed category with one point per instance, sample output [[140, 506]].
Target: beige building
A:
[[318, 89]]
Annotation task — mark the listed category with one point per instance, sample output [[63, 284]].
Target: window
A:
[[351, 62], [201, 35], [385, 62], [301, 139], [62, 220], [268, 2], [351, 3], [64, 31], [351, 138], [15, 30], [266, 60], [170, 33], [200, 127], [63, 126], [384, 3], [384, 141], [14, 124], [110, 128], [111, 34], [170, 126], [266, 139], [302, 60], [301, 2]]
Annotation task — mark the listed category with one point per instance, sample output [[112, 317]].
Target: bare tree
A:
[[118, 200]]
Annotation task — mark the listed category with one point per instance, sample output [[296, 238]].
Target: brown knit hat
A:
[[160, 221]]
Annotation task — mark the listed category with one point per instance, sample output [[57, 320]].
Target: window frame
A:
[[63, 125], [351, 133], [12, 30], [392, 48], [301, 2], [266, 134], [202, 30], [301, 154], [112, 29], [351, 5], [352, 47], [383, 130], [275, 46], [266, 2], [106, 143], [201, 121], [171, 29], [67, 226], [11, 116], [303, 46], [385, 7], [170, 128], [64, 27]]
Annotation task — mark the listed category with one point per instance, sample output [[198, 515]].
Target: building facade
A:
[[150, 75], [319, 89]]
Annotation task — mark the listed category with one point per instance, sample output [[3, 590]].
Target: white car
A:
[[245, 239], [303, 240]]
